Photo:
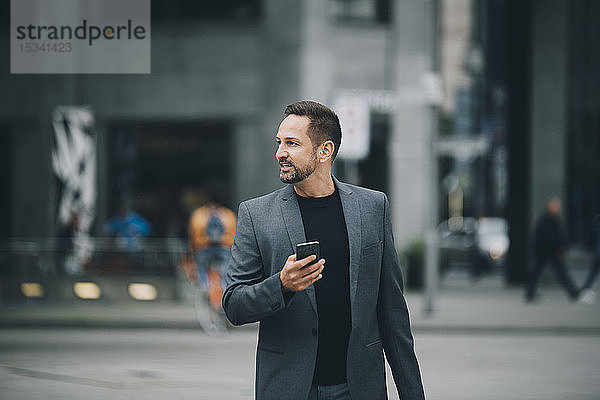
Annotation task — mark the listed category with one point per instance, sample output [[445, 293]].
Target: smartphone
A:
[[304, 250]]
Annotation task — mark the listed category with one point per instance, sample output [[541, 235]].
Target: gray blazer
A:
[[269, 227]]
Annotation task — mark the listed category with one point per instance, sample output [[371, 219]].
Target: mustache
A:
[[286, 161]]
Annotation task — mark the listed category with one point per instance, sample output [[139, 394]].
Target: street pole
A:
[[431, 237]]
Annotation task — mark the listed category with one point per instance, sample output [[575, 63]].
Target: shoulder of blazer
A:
[[268, 199], [361, 193]]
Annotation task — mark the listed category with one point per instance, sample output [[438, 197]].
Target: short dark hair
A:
[[324, 123]]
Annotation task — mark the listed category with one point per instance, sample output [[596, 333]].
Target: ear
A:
[[326, 151]]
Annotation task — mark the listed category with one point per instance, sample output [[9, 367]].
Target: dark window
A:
[[6, 187], [373, 171], [4, 16], [165, 165], [583, 119], [361, 10], [185, 10]]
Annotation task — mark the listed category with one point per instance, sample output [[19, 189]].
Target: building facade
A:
[[203, 122]]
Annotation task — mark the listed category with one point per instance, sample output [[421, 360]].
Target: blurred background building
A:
[[498, 100]]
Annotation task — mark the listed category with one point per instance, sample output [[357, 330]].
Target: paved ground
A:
[[184, 364], [482, 342]]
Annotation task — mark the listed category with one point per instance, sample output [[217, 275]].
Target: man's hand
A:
[[295, 276]]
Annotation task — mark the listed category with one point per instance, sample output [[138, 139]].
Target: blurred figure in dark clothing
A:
[[550, 244], [66, 235], [588, 295]]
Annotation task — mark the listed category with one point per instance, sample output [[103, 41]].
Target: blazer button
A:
[[314, 331]]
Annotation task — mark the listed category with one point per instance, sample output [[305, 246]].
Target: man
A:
[[211, 230], [323, 326], [550, 244]]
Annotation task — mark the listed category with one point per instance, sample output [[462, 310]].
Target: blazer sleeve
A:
[[249, 295], [393, 318]]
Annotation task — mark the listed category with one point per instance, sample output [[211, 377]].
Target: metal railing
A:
[[32, 257]]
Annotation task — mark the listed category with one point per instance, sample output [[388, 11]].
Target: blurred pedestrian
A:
[[211, 231], [588, 295], [322, 330], [550, 245], [67, 233], [127, 227]]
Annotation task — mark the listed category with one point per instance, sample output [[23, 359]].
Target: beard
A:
[[296, 173]]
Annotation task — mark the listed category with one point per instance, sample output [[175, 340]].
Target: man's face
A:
[[295, 152], [554, 206]]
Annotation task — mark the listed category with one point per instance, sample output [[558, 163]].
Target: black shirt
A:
[[323, 220], [550, 238]]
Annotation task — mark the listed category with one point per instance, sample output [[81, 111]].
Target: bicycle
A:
[[208, 290]]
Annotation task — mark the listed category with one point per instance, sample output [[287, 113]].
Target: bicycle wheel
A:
[[207, 301], [211, 322]]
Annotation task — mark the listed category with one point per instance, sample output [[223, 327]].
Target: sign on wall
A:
[[353, 112]]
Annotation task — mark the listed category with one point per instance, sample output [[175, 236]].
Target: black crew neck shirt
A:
[[323, 220]]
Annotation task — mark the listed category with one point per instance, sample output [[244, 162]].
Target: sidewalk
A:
[[489, 306], [461, 307]]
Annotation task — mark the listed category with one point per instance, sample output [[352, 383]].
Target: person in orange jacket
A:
[[211, 231]]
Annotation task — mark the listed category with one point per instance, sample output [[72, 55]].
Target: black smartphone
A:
[[304, 250]]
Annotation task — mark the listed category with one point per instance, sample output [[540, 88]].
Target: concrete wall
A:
[[379, 57], [411, 139], [206, 72], [281, 70], [336, 55]]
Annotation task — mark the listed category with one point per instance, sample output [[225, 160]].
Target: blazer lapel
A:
[[351, 208], [295, 228]]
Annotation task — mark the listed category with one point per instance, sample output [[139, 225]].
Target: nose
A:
[[281, 152]]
